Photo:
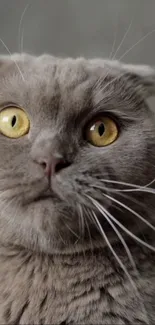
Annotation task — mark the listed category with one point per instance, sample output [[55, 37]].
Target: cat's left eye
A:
[[14, 122], [102, 132]]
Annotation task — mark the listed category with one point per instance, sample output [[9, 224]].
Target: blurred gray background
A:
[[103, 28]]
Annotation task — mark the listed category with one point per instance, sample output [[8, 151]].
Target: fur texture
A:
[[61, 260]]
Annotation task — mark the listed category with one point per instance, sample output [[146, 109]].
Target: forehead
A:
[[45, 73], [36, 83]]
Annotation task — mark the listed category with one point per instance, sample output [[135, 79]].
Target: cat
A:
[[77, 206]]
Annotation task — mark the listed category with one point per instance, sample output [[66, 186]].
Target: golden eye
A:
[[102, 132], [14, 123]]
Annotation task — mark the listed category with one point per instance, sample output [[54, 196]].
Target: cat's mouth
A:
[[43, 198], [47, 195]]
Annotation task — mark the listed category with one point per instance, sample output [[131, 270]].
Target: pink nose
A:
[[52, 165]]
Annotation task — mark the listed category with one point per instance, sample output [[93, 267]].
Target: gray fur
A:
[[55, 266]]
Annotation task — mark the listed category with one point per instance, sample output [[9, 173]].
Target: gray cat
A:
[[77, 204]]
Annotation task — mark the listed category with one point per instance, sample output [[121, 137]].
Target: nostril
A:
[[53, 165], [47, 167], [61, 165], [43, 165]]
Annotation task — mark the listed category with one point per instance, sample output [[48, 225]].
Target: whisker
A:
[[119, 260], [113, 251], [124, 183], [134, 45], [20, 26], [118, 191], [133, 200], [72, 231], [81, 220], [121, 57], [6, 206], [7, 49], [97, 84], [88, 229], [130, 210], [22, 41], [126, 52], [115, 38], [118, 234], [61, 237], [109, 83], [129, 232], [123, 39], [140, 189], [101, 79], [133, 186]]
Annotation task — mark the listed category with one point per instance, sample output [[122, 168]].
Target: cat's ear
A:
[[145, 76]]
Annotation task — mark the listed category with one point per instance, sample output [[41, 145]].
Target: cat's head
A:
[[71, 133]]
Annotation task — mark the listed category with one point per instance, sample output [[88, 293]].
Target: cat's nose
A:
[[52, 165]]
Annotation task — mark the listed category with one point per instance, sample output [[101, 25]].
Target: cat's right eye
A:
[[102, 132], [14, 122]]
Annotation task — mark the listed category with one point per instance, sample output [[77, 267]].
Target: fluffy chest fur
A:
[[86, 288]]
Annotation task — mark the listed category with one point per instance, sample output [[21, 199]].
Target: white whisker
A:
[[138, 189], [128, 184], [120, 191], [61, 237], [134, 45], [97, 84], [12, 59], [113, 251], [123, 39], [20, 41], [88, 229], [115, 38], [128, 232], [9, 204], [109, 83], [81, 220], [72, 231], [130, 210], [134, 187], [117, 257], [132, 199], [117, 233]]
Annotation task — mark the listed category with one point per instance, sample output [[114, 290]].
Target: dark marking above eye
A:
[[43, 302], [7, 312], [21, 312], [101, 129], [13, 122]]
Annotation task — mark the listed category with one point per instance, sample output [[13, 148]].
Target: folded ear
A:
[[145, 76]]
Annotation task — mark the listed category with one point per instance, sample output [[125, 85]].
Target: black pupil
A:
[[13, 122], [101, 129]]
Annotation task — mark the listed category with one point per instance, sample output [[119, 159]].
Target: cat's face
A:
[[49, 176]]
